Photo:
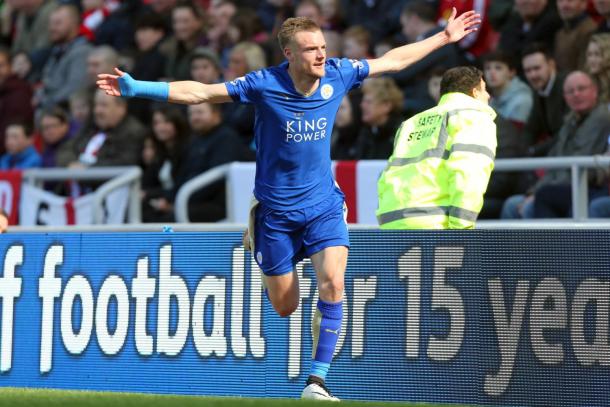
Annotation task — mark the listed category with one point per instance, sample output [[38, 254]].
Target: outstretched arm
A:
[[399, 58], [184, 92]]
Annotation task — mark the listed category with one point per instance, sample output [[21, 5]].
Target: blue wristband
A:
[[144, 89]]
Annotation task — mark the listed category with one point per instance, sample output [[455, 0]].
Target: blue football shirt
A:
[[292, 132]]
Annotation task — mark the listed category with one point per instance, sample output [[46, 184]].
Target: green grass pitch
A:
[[15, 397]]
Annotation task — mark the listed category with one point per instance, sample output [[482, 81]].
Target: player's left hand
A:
[[458, 28], [3, 221], [246, 240]]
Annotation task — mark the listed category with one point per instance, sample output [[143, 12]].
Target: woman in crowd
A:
[[381, 116], [170, 136], [597, 64]]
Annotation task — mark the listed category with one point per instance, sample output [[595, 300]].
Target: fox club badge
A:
[[326, 91]]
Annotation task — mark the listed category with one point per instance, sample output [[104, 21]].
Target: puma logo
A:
[[333, 332]]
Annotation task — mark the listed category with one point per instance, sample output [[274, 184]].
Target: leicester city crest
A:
[[326, 91]]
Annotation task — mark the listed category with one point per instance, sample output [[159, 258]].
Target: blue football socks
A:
[[326, 327]]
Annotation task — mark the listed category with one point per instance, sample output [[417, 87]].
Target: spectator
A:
[[356, 43], [334, 44], [213, 144], [332, 15], [600, 207], [504, 184], [170, 137], [597, 64], [117, 29], [55, 131], [22, 66], [499, 12], [603, 9], [80, 110], [549, 107], [189, 33], [245, 57], [379, 17], [150, 164], [102, 58], [94, 14], [384, 46], [533, 21], [220, 15], [205, 66], [381, 105], [477, 43], [418, 21], [343, 141], [511, 98], [246, 25], [163, 7], [20, 153], [15, 96], [150, 63], [150, 160], [584, 132], [114, 138], [310, 9], [571, 40], [64, 71], [31, 25], [434, 83], [273, 13], [6, 25]]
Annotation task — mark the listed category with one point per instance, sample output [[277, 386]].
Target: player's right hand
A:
[[115, 85]]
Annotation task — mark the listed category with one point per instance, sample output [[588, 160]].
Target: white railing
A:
[[195, 184], [578, 165], [117, 176]]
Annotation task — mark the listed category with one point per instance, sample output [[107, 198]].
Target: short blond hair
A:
[[292, 26], [384, 90]]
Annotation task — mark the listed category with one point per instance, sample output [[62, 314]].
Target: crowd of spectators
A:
[[546, 64]]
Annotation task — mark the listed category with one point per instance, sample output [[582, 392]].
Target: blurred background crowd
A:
[[546, 65]]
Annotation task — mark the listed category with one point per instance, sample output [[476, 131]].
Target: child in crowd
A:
[[20, 153]]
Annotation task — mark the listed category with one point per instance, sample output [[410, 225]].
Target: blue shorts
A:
[[283, 238]]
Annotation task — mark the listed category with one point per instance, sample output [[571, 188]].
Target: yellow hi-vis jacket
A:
[[440, 167]]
